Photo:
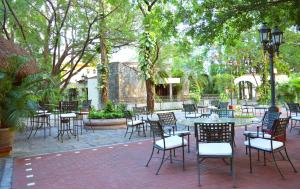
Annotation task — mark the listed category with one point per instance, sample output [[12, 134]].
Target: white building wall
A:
[[93, 93]]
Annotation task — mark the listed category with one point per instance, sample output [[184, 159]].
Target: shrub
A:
[[109, 112], [105, 115]]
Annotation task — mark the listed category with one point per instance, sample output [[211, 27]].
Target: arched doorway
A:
[[246, 90]]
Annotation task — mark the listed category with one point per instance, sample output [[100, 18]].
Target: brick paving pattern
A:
[[123, 166]]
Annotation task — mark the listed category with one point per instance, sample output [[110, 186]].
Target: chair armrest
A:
[[251, 135]]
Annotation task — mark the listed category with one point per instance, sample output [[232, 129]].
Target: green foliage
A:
[[109, 107], [285, 93], [290, 51], [105, 115], [264, 94], [18, 99], [244, 116], [289, 92], [195, 97], [223, 97], [215, 20], [109, 112], [224, 83], [177, 72], [146, 48]]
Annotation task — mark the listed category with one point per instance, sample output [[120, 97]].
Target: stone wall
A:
[[131, 85], [114, 85]]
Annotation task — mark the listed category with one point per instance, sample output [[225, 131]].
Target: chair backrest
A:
[[214, 103], [189, 108], [223, 113], [128, 115], [294, 107], [68, 106], [167, 119], [214, 132], [156, 129], [278, 130], [87, 104], [140, 110], [269, 118], [223, 105]]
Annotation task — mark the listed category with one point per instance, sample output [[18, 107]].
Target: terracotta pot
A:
[[231, 107], [6, 141], [105, 123]]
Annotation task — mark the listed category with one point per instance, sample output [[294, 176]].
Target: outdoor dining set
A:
[[214, 134], [65, 116]]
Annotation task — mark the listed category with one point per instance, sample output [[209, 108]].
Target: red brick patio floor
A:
[[123, 166]]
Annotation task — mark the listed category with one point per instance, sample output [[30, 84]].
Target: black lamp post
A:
[[271, 42]]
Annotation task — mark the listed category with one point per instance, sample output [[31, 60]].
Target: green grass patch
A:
[[244, 116]]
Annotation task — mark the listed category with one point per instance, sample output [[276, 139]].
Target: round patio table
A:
[[237, 121], [261, 108]]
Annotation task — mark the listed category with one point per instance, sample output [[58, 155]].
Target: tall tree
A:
[[211, 20], [116, 29], [158, 26], [61, 31]]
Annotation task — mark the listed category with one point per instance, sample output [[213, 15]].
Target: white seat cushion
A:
[[260, 134], [296, 118], [182, 132], [83, 113], [68, 115], [41, 111], [42, 114], [171, 142], [215, 149], [134, 122], [263, 144], [192, 115]]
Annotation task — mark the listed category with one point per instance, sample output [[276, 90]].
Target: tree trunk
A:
[[104, 70], [150, 94]]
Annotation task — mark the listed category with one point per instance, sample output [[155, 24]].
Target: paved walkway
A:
[[39, 146], [123, 166]]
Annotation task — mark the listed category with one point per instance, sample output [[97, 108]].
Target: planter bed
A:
[[105, 123]]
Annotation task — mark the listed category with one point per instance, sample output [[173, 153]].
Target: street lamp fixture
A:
[[271, 42]]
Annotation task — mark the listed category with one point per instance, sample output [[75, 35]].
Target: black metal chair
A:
[[68, 116], [165, 143], [262, 130], [86, 107], [223, 113], [86, 104], [266, 124], [141, 113], [294, 109], [248, 108], [223, 105], [215, 140], [276, 143], [168, 121], [132, 123], [191, 111], [214, 103], [294, 112], [40, 120]]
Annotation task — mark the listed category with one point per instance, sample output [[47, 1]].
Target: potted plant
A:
[[110, 117], [17, 100]]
